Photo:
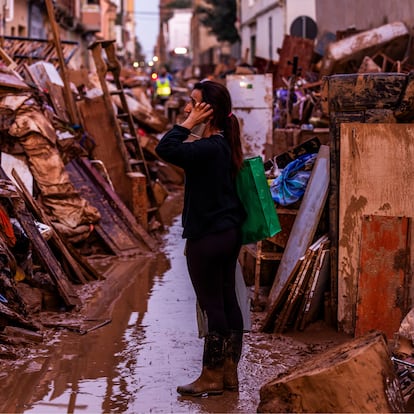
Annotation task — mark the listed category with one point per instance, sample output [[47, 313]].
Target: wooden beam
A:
[[44, 253], [78, 265], [70, 102]]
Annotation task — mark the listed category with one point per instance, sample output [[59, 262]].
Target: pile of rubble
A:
[[67, 188], [79, 177], [298, 75]]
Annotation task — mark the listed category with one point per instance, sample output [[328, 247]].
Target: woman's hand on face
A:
[[200, 112]]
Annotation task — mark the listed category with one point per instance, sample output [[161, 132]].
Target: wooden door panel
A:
[[381, 283]]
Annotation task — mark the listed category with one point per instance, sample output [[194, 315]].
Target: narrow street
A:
[[97, 311], [134, 363]]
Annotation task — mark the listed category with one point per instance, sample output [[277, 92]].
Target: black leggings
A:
[[211, 263]]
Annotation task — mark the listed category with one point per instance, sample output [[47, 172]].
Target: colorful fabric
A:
[[291, 184], [7, 227]]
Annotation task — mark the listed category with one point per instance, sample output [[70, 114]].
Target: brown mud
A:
[[142, 342]]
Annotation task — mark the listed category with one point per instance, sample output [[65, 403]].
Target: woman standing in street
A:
[[211, 219]]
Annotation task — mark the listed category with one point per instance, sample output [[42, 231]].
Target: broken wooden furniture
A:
[[355, 377], [371, 169], [18, 54], [128, 144], [18, 51]]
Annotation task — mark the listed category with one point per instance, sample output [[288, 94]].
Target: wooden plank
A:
[[304, 227], [317, 290], [376, 171], [15, 318], [117, 227], [288, 292], [118, 205], [284, 294], [306, 294], [302, 282], [291, 302], [337, 118], [57, 98], [95, 120], [257, 273], [77, 264], [43, 251], [69, 99], [25, 334], [383, 265]]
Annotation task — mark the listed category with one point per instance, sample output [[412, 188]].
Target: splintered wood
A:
[[299, 303]]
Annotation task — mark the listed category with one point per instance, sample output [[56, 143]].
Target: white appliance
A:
[[252, 98]]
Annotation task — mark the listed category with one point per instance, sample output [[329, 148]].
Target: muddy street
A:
[[142, 342]]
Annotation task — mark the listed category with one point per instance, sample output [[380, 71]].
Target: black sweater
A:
[[211, 203]]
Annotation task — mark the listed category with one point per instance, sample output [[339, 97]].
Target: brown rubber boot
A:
[[210, 381], [232, 353]]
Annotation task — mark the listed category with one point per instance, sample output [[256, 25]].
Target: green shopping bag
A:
[[254, 192]]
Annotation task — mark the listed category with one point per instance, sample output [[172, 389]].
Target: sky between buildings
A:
[[147, 24]]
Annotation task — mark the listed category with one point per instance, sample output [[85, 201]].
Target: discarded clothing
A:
[[291, 184]]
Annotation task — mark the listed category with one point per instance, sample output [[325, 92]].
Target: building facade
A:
[[264, 23], [81, 21]]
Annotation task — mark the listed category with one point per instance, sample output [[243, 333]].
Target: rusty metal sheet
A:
[[293, 46], [381, 283]]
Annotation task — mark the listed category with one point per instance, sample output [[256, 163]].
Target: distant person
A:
[[212, 218], [163, 86]]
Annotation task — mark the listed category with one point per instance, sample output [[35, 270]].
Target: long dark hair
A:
[[218, 96]]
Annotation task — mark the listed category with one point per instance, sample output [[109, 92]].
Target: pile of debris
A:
[[79, 177], [299, 73]]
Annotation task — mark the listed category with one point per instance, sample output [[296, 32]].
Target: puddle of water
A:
[[134, 363]]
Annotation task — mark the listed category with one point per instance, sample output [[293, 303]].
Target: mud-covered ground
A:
[[142, 343]]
